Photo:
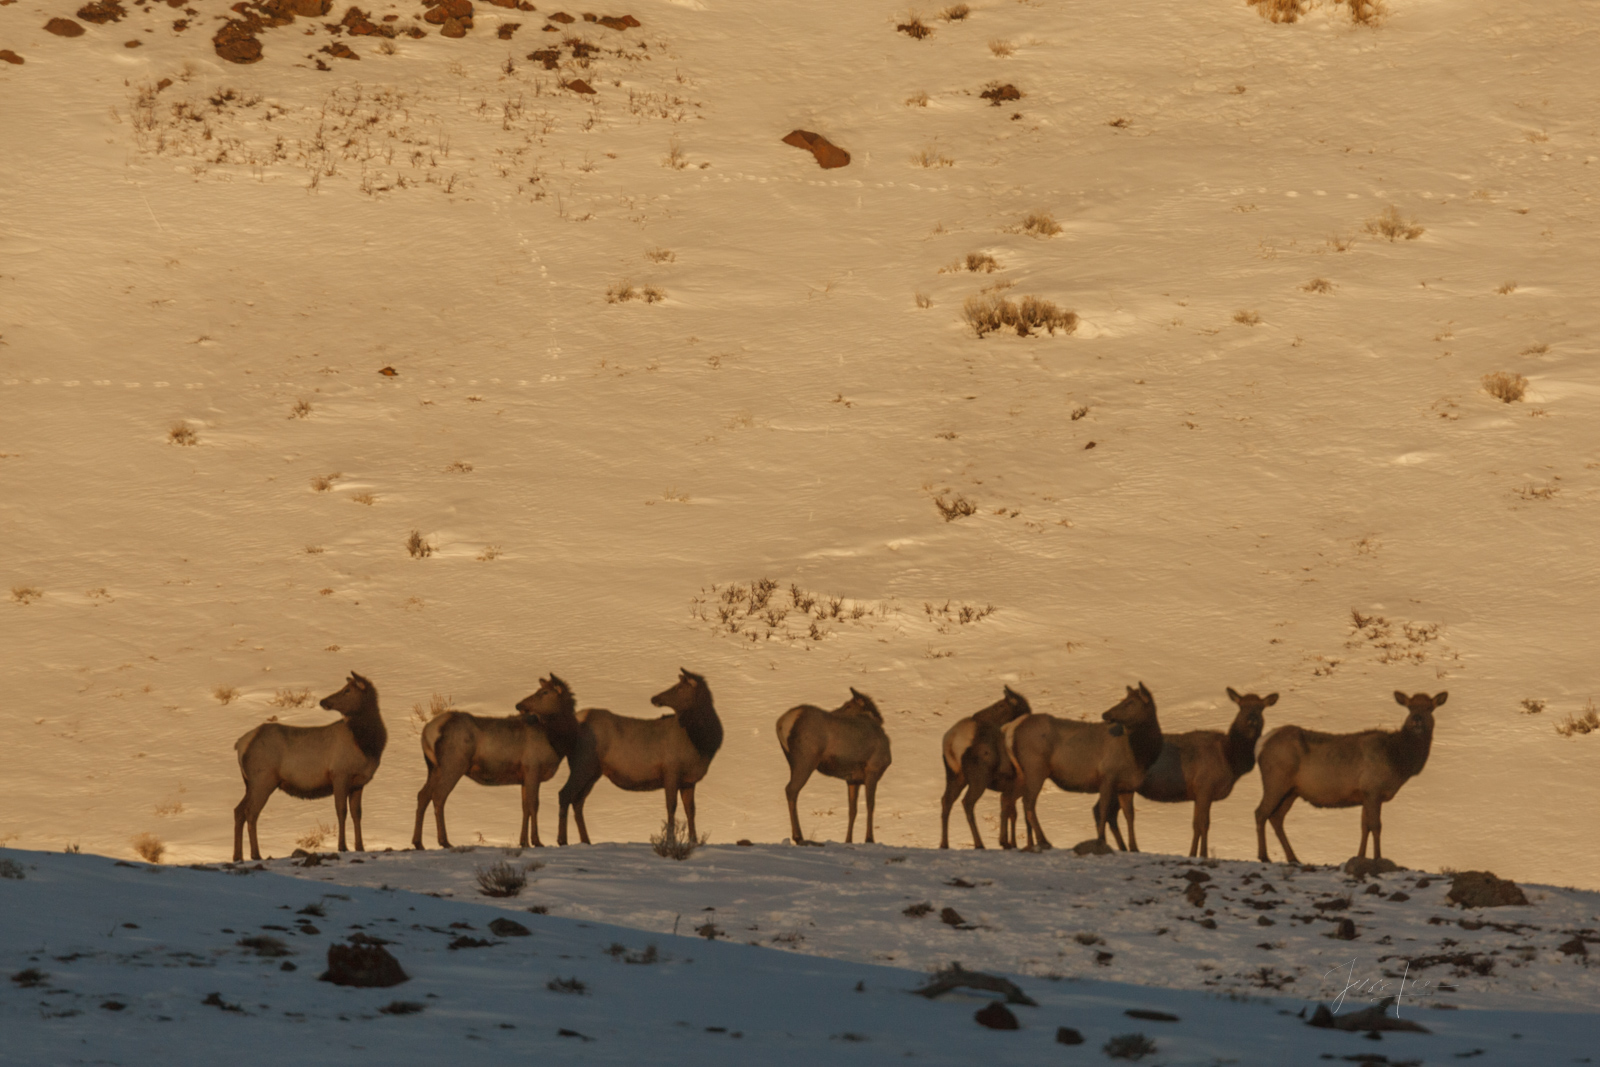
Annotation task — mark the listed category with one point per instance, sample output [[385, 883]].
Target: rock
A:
[[453, 28], [101, 11], [1066, 1035], [1195, 875], [623, 23], [444, 10], [163, 83], [1345, 931], [506, 29], [548, 56], [338, 50], [135, 43], [957, 977], [237, 43], [1209, 924], [1093, 847], [504, 3], [999, 94], [363, 965], [388, 372], [1335, 904], [1360, 868], [951, 917], [563, 18], [469, 942], [1399, 897], [308, 8], [1195, 895], [63, 28], [745, 842], [578, 85], [1104, 959], [829, 155], [1481, 889], [997, 1017], [1151, 1015], [508, 928], [1368, 1020], [11, 57], [1575, 947]]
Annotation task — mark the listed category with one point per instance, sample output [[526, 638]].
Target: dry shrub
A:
[[418, 548], [1507, 288], [918, 100], [915, 28], [932, 157], [924, 301], [323, 482], [1247, 318], [291, 698], [1531, 705], [503, 879], [1040, 224], [1280, 10], [1505, 387], [489, 553], [661, 255], [1366, 12], [225, 694], [957, 508], [458, 467], [1002, 48], [365, 498], [1318, 285], [149, 847], [1587, 723], [989, 312], [651, 295], [955, 13], [676, 160], [623, 291], [301, 409], [26, 594], [981, 262], [182, 435], [675, 842], [1393, 225], [314, 838], [315, 550]]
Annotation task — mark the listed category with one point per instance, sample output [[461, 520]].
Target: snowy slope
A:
[[788, 410], [132, 964]]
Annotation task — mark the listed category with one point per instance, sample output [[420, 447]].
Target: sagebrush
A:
[[988, 313], [1504, 386], [675, 842]]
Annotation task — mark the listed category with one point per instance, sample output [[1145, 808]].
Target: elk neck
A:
[[701, 723], [1144, 738], [1408, 746], [1241, 749], [366, 724], [560, 728]]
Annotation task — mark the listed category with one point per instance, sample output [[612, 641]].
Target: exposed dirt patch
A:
[[63, 28], [102, 11], [999, 94], [829, 155]]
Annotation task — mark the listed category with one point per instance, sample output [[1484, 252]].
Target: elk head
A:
[[549, 699], [347, 701], [1138, 704], [1251, 719], [683, 695], [1016, 703], [863, 705], [1420, 706]]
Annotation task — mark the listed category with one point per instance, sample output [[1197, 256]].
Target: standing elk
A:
[[1203, 765], [975, 760], [311, 762], [672, 753], [1364, 769], [1109, 758], [848, 742], [523, 749]]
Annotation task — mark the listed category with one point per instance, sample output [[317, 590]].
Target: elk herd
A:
[[1006, 747]]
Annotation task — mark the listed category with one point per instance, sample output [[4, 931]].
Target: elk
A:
[[847, 742], [672, 753], [1109, 758], [311, 762], [1363, 769], [1202, 765], [975, 760], [523, 749]]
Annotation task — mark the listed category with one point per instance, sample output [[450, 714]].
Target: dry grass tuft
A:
[[1392, 225], [987, 313], [291, 698], [458, 467], [1504, 386], [225, 694], [149, 847], [301, 409], [314, 838], [25, 594], [323, 482], [1318, 285], [624, 291], [1507, 288], [675, 159], [932, 157], [315, 550], [981, 263], [955, 13], [661, 255], [1531, 706], [418, 548], [1280, 10], [958, 507], [1040, 224], [924, 301], [1002, 48], [365, 498], [1587, 723], [917, 100], [503, 879], [1366, 12], [490, 552], [182, 435], [915, 28], [675, 842], [1247, 318]]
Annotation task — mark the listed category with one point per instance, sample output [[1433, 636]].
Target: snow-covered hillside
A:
[[1297, 482]]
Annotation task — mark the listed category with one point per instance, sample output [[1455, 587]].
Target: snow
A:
[[161, 941], [1293, 488]]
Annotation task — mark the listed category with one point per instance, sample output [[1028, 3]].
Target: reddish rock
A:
[[504, 3], [453, 28], [441, 12], [339, 50], [63, 28], [624, 23], [135, 43], [310, 9], [236, 42], [11, 57], [101, 11], [523, 5], [363, 965], [548, 56], [163, 83], [997, 1017], [507, 29], [578, 85], [829, 155], [562, 17]]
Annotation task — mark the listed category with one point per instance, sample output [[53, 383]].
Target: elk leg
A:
[[1372, 822], [969, 804], [1126, 801], [687, 792], [799, 773], [1105, 816], [530, 811], [445, 780], [341, 806], [672, 808], [1202, 828], [1264, 811], [583, 771], [852, 789], [1030, 810], [241, 812], [952, 788], [1008, 818], [355, 814], [872, 801], [424, 795], [1277, 826]]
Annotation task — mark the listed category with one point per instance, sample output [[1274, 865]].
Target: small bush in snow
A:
[[1505, 387], [914, 29], [1280, 10], [1040, 224], [182, 435], [566, 985], [1587, 723], [1392, 225], [987, 313], [418, 548], [149, 847], [675, 842], [25, 594], [13, 870], [955, 13], [501, 879], [1129, 1047]]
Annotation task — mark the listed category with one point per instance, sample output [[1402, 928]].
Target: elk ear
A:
[[855, 693], [1146, 693], [1232, 695], [1440, 699], [1401, 699], [1272, 698], [358, 681]]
